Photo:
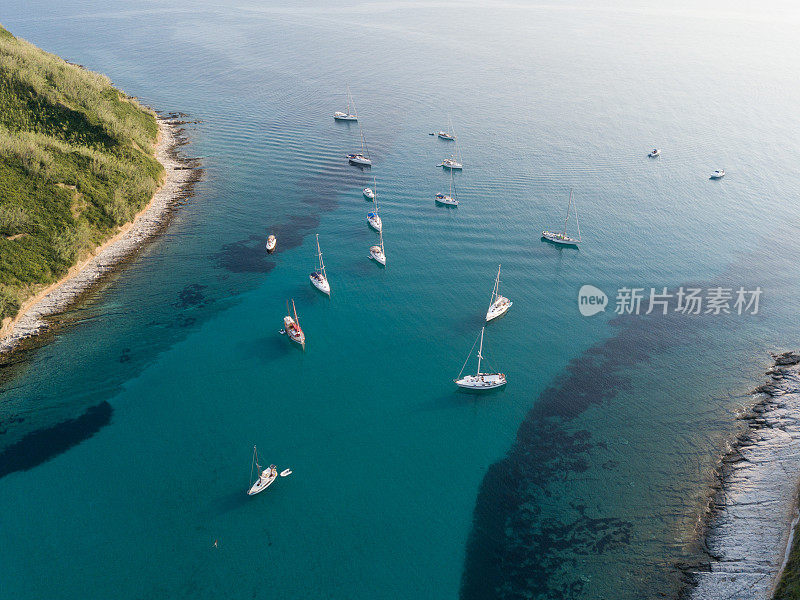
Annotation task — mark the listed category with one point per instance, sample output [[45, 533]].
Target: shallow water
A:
[[584, 477]]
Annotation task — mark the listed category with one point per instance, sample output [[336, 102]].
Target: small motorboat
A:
[[654, 152], [718, 174], [271, 243], [445, 199], [291, 327], [374, 220], [359, 159], [451, 163], [446, 136], [369, 194], [265, 477], [286, 472]]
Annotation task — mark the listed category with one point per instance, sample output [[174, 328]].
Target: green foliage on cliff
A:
[[789, 584], [76, 162]]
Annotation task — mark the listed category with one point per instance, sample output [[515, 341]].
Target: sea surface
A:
[[126, 439]]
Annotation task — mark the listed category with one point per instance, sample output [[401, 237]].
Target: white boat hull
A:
[[446, 136], [718, 175], [375, 222], [499, 308], [321, 283], [369, 194], [340, 116], [358, 159], [264, 481], [654, 153], [558, 238], [455, 166], [293, 331], [481, 381], [376, 254], [271, 243], [442, 199]]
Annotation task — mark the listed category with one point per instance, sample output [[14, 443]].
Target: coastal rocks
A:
[[753, 509], [181, 175]]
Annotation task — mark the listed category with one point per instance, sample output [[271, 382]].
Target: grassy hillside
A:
[[76, 162]]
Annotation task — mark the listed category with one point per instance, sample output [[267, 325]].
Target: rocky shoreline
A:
[[181, 175], [750, 522]]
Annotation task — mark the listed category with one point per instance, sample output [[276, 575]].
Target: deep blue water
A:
[[125, 441]]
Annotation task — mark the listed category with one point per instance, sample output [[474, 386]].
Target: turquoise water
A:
[[126, 440]]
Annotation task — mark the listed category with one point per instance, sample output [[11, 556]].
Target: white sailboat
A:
[[448, 135], [450, 198], [271, 243], [362, 158], [377, 253], [373, 218], [265, 477], [499, 305], [452, 163], [480, 381], [291, 326], [319, 278], [347, 115], [562, 237]]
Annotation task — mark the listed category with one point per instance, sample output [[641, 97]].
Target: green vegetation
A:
[[789, 584], [76, 162]]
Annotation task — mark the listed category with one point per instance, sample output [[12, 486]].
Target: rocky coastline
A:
[[753, 510]]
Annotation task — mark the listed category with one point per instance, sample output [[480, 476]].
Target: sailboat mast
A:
[[496, 290], [568, 208], [319, 254], [480, 352], [296, 320], [451, 183], [578, 222]]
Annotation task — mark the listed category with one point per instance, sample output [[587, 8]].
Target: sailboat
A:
[[448, 135], [319, 278], [499, 304], [451, 163], [376, 253], [361, 158], [347, 115], [454, 162], [448, 198], [373, 218], [265, 477], [291, 327], [562, 238], [480, 381]]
